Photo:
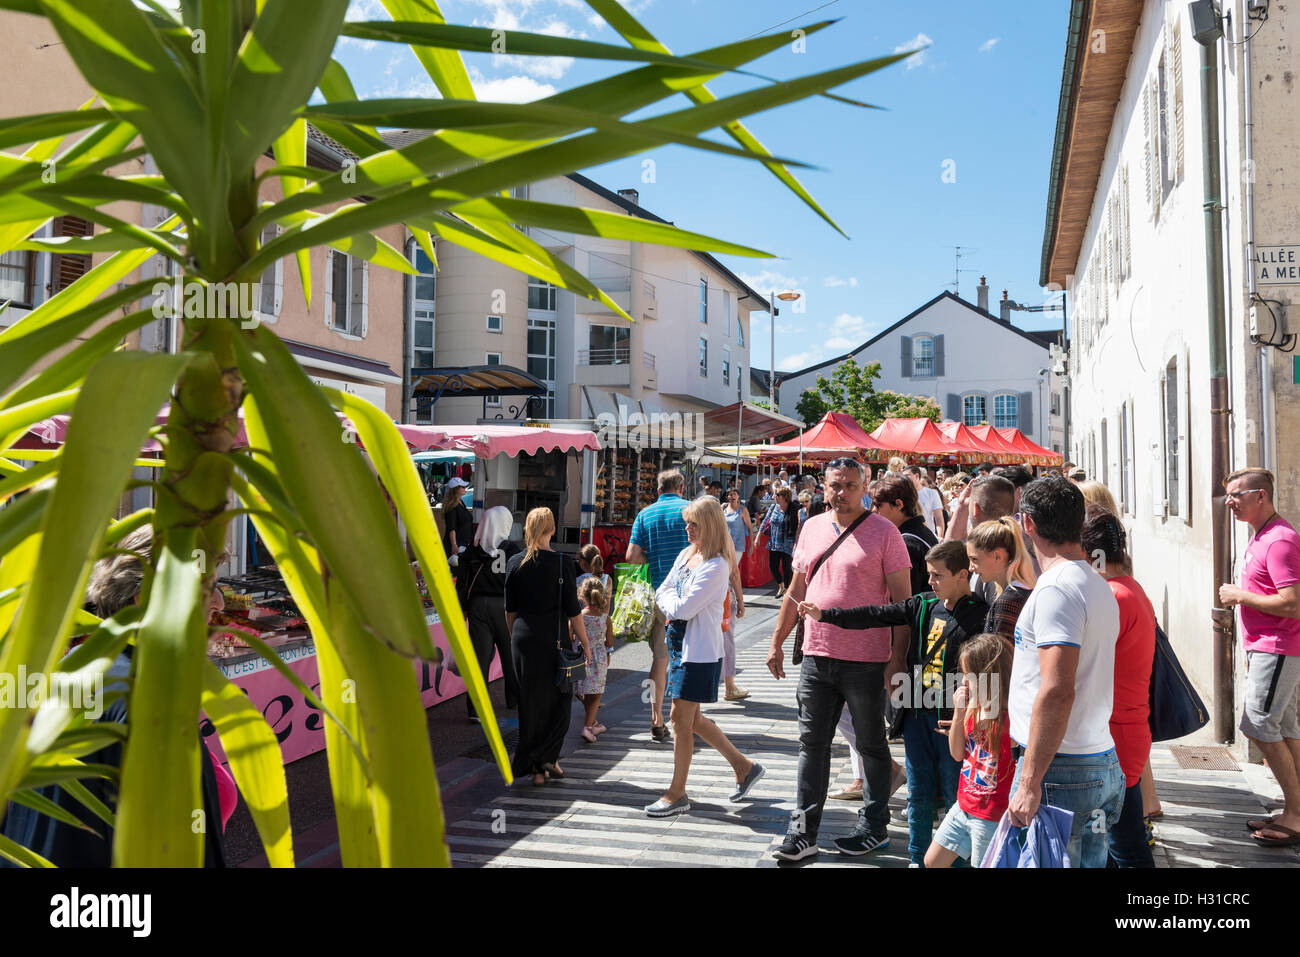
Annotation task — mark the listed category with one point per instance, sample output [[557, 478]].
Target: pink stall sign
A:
[[298, 726]]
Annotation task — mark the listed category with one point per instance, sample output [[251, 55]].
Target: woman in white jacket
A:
[[691, 598]]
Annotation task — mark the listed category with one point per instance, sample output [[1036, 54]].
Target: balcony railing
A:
[[617, 356], [648, 360]]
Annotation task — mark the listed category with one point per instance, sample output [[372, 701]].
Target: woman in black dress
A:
[[541, 611], [482, 575], [457, 521]]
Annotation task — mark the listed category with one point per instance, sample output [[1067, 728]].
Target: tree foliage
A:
[[851, 389]]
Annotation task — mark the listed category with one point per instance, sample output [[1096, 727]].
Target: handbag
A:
[[797, 655], [1175, 707], [571, 663]]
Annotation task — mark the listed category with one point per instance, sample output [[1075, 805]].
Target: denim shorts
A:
[[965, 835], [690, 680]]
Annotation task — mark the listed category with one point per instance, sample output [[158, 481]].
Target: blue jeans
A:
[[1091, 786], [930, 768], [826, 686], [1128, 838]]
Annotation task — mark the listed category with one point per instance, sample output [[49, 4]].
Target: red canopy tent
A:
[[988, 435], [964, 436], [837, 434], [1026, 447], [918, 438]]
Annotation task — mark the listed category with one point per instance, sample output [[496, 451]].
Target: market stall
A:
[[979, 450], [919, 441], [1030, 451]]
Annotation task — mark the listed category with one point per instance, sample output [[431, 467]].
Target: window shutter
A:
[[1151, 124], [1176, 55], [907, 357], [328, 299], [357, 291], [954, 407], [67, 268], [1025, 410], [1128, 234], [938, 356], [1158, 490], [1185, 436], [1148, 164]]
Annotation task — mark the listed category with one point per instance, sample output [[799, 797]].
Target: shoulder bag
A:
[[1176, 708], [571, 663], [797, 655]]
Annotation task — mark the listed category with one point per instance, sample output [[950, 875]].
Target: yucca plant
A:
[[207, 90]]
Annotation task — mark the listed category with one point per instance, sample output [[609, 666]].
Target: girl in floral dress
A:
[[600, 635]]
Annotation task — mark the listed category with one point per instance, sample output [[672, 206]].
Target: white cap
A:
[[457, 482]]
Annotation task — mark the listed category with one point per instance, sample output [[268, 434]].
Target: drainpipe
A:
[[1265, 354], [1221, 618], [408, 317]]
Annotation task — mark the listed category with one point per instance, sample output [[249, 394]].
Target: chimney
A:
[[983, 290], [631, 195], [1006, 308]]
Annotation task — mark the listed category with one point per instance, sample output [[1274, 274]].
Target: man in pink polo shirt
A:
[[1269, 597], [843, 666]]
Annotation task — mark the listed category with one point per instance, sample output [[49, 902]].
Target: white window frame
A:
[[1015, 397], [501, 325], [916, 359], [493, 401], [277, 278], [704, 300], [704, 357], [354, 321], [551, 291], [982, 398], [726, 365]]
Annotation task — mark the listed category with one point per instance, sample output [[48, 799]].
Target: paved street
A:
[[594, 818]]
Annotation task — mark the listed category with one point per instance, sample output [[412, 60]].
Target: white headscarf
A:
[[494, 528]]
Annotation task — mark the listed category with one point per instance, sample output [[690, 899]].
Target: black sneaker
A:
[[796, 847], [857, 844]]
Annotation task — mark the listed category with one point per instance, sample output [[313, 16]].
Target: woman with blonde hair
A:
[[1094, 493], [998, 554], [897, 464], [691, 598], [542, 610]]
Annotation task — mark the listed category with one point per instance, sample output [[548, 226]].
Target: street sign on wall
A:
[[1277, 265]]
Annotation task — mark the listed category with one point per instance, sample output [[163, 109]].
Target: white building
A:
[[1165, 354], [688, 351], [978, 367]]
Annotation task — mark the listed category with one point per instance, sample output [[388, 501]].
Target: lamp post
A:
[[785, 295], [1042, 431]]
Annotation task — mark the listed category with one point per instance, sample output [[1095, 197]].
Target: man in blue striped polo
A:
[[658, 537]]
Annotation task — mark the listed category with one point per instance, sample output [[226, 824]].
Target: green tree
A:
[[851, 389], [207, 89]]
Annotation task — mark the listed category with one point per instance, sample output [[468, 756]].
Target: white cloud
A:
[[365, 45], [849, 327], [988, 45], [799, 360], [508, 89], [770, 281], [366, 10], [840, 344], [916, 43], [837, 281]]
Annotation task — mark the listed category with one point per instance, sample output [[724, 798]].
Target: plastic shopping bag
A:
[[634, 605], [1042, 844]]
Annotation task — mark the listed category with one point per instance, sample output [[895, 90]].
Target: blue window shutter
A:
[[938, 356], [907, 357], [1026, 410], [954, 407]]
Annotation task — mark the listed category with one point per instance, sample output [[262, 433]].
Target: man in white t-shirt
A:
[[1063, 679], [931, 501]]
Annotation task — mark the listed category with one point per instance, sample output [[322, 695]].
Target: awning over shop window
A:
[[746, 423]]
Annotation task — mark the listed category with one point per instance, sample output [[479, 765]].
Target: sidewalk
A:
[[593, 817]]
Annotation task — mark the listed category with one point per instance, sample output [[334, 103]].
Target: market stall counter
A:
[[259, 603]]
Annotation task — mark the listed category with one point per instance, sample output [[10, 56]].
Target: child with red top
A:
[[980, 738], [1135, 650]]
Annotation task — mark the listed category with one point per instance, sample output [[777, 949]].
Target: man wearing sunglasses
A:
[[843, 667], [1269, 597]]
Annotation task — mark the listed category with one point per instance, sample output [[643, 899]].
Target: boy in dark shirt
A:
[[940, 621]]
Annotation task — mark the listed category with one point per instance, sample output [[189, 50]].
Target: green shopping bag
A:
[[634, 604]]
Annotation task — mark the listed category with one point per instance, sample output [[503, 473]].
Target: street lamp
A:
[[1042, 431], [785, 295]]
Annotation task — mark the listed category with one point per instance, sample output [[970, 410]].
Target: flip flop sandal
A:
[[1291, 840], [1260, 823], [1156, 815]]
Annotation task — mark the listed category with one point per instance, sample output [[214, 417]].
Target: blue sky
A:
[[959, 155]]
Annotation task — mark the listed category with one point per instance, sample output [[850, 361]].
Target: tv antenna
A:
[[956, 268]]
